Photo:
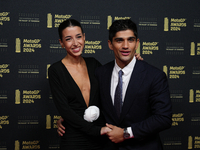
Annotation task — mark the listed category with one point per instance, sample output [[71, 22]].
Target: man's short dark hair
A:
[[121, 25]]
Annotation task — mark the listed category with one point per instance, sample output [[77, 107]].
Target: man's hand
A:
[[61, 128], [138, 57], [105, 130], [116, 135]]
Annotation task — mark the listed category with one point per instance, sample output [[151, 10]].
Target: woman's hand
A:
[[138, 57], [105, 130], [61, 128]]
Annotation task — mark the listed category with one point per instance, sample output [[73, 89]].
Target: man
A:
[[145, 107]]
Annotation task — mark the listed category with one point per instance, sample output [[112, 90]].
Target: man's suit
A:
[[146, 108]]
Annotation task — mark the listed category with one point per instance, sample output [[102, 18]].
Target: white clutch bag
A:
[[91, 113]]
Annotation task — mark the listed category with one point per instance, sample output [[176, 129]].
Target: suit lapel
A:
[[136, 79], [108, 100]]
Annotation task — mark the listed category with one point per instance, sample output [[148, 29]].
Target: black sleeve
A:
[[161, 109], [64, 109]]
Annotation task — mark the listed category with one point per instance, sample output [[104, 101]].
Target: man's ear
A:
[[110, 45], [61, 43]]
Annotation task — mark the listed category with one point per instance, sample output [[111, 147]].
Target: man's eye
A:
[[119, 40], [131, 40], [79, 37]]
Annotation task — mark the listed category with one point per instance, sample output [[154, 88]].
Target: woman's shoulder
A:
[[91, 61], [56, 65]]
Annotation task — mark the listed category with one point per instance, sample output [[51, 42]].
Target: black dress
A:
[[79, 134]]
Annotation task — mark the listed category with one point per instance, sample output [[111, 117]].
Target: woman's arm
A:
[[64, 109]]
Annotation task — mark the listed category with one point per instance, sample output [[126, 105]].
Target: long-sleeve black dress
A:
[[79, 134]]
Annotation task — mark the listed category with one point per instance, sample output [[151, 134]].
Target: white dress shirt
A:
[[127, 71]]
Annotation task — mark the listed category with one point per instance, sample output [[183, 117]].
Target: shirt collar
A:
[[127, 69]]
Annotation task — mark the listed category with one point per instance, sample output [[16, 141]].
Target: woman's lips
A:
[[75, 50]]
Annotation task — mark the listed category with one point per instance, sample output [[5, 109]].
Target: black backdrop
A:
[[169, 33]]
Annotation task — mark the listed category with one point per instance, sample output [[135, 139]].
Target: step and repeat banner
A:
[[169, 33]]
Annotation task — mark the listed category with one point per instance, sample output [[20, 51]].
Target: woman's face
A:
[[73, 40]]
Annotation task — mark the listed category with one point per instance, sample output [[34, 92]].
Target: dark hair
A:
[[68, 23], [121, 25]]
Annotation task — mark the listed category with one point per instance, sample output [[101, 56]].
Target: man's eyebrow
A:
[[132, 37], [120, 38]]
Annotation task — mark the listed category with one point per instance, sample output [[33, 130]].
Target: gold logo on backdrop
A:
[[92, 46], [196, 142], [177, 118], [189, 142], [120, 18], [4, 69], [47, 70], [60, 18], [198, 48], [4, 17], [30, 96], [49, 20], [165, 69], [48, 122], [17, 96], [18, 45], [17, 145], [31, 145], [191, 96], [149, 47], [4, 121], [192, 49], [177, 24], [176, 72], [166, 24], [55, 119], [109, 22], [138, 49], [197, 96], [29, 45]]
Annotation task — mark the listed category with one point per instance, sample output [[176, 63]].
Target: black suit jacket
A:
[[146, 108]]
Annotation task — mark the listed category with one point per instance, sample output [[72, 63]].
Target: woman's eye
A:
[[67, 39]]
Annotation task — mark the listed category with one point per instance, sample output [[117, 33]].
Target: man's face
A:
[[124, 45]]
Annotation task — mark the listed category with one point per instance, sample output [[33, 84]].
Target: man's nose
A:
[[125, 44]]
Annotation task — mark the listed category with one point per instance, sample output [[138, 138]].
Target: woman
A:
[[74, 89]]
